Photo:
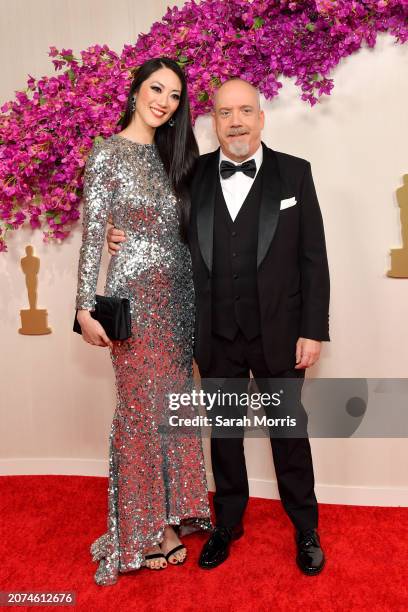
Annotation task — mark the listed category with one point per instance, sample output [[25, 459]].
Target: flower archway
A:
[[47, 131]]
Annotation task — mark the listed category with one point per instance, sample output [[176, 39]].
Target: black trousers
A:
[[292, 456]]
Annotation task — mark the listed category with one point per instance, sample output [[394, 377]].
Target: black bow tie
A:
[[227, 169]]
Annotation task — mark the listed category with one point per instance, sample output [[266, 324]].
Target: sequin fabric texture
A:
[[155, 478]]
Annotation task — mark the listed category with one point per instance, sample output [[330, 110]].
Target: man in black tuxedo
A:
[[262, 297]]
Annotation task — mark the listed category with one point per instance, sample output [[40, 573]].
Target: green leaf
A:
[[71, 75], [8, 226], [311, 27], [316, 76], [203, 96], [98, 139], [68, 57], [57, 219], [183, 59], [258, 23]]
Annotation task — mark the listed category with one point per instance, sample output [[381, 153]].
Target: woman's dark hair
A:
[[177, 145]]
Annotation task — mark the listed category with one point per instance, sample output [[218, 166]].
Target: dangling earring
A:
[[171, 122], [133, 105]]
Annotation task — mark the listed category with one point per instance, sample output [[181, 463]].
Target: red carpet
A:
[[48, 523]]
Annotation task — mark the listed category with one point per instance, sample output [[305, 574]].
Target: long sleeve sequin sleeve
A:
[[98, 192]]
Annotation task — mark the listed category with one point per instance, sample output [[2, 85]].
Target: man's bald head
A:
[[238, 119], [234, 86]]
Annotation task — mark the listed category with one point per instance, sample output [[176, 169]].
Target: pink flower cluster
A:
[[47, 131]]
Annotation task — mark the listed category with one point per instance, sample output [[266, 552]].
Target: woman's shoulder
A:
[[102, 151], [105, 145]]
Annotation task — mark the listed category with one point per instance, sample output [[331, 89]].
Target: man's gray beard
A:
[[239, 149]]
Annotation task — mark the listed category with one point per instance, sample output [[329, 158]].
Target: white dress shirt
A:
[[236, 188]]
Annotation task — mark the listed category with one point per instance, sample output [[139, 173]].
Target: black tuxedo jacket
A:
[[292, 269]]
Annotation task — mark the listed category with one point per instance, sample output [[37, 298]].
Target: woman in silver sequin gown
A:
[[156, 480]]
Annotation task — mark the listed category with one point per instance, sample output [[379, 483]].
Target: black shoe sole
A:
[[308, 572], [210, 567]]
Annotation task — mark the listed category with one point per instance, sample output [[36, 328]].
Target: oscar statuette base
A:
[[34, 323]]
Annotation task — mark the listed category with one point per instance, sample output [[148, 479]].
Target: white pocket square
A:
[[288, 202]]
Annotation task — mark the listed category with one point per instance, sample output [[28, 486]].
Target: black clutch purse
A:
[[113, 314]]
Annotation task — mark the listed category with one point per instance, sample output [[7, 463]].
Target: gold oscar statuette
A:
[[33, 321], [399, 257]]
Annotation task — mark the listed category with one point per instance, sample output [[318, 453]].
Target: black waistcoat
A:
[[234, 281]]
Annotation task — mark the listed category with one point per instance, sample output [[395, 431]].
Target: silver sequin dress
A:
[[155, 478]]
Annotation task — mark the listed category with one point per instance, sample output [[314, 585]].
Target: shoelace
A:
[[308, 539], [224, 533]]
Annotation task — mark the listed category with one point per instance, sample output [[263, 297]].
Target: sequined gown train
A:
[[154, 479]]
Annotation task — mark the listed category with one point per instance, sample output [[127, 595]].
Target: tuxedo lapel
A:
[[270, 203], [205, 208]]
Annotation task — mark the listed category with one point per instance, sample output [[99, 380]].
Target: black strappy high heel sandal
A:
[[176, 528], [174, 550], [154, 556]]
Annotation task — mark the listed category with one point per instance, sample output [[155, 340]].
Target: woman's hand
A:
[[92, 330]]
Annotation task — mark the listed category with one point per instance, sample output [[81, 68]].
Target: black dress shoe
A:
[[216, 549], [310, 557]]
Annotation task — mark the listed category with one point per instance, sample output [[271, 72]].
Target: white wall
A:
[[57, 395]]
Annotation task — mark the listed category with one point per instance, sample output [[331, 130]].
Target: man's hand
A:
[[307, 353], [114, 237]]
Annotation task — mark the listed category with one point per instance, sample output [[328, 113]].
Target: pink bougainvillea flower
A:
[[47, 130]]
